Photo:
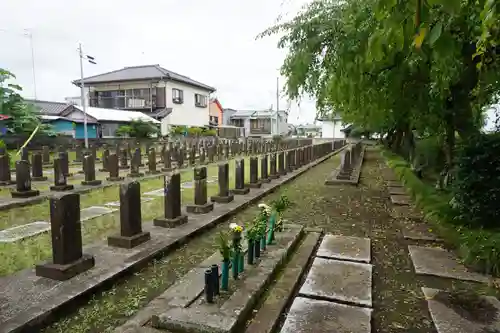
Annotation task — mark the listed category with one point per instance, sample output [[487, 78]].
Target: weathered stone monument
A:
[[135, 164], [152, 162], [68, 259], [201, 204], [37, 167], [254, 173], [273, 174], [345, 166], [264, 176], [89, 171], [60, 179], [114, 169], [239, 178], [105, 161], [123, 159], [224, 195], [281, 163], [46, 155], [172, 203], [23, 181], [131, 233], [5, 177]]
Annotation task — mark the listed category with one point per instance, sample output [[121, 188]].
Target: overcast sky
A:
[[210, 41]]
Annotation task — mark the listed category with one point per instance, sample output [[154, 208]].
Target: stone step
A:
[[345, 248]]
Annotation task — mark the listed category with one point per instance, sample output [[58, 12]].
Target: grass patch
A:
[[25, 254], [478, 248]]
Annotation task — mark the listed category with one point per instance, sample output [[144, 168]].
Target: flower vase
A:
[[272, 224], [225, 275], [235, 265], [251, 252], [242, 263], [263, 243], [256, 248]]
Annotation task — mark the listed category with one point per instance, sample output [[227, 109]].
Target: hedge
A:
[[478, 248]]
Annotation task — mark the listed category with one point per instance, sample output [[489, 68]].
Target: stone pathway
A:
[[337, 293]]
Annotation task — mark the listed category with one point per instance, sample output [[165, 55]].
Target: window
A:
[[200, 100], [177, 96]]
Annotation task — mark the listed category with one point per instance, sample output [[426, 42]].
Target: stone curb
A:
[[39, 314], [269, 314], [354, 178]]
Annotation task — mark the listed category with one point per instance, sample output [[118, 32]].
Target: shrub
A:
[[478, 248], [477, 185]]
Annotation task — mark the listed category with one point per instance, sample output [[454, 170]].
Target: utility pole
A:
[[277, 105], [30, 36], [82, 92]]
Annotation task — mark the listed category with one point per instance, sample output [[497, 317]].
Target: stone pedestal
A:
[[23, 181], [201, 205], [68, 259], [131, 233], [172, 203], [239, 178], [224, 196]]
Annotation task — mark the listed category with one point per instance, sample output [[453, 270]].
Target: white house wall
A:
[[332, 130], [187, 113]]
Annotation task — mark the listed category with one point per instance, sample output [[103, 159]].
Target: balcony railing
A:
[[260, 130], [123, 103]]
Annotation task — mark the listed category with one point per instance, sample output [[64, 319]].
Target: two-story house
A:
[[172, 98], [332, 127], [265, 123]]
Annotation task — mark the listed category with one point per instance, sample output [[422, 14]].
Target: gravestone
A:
[[114, 169], [281, 163], [162, 152], [68, 259], [345, 166], [60, 179], [134, 165], [105, 161], [152, 162], [192, 156], [180, 158], [239, 178], [123, 159], [89, 171], [167, 161], [226, 151], [25, 154], [37, 167], [224, 195], [23, 181], [273, 174], [202, 156], [5, 177], [93, 152], [131, 233], [172, 203], [46, 155], [63, 156], [201, 204], [254, 173], [264, 176], [138, 156], [78, 154], [211, 153]]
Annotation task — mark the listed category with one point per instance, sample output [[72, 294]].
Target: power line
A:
[[91, 60]]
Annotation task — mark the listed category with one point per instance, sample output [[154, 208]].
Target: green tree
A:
[[23, 116], [138, 129]]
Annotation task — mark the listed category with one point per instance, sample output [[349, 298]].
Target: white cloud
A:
[[210, 41]]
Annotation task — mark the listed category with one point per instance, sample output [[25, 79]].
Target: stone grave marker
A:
[[37, 167], [114, 169], [78, 154], [264, 176], [89, 171], [224, 195], [202, 156], [105, 161], [254, 173], [124, 159], [68, 259], [5, 176], [131, 233], [25, 154], [281, 163], [239, 177], [152, 162], [23, 181], [60, 179], [201, 204], [46, 155], [63, 156], [273, 174], [167, 160], [172, 214], [134, 165]]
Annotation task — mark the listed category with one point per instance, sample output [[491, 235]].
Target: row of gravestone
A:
[[348, 160], [110, 162], [68, 259]]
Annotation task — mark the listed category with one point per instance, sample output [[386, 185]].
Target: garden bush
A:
[[476, 188], [479, 248]]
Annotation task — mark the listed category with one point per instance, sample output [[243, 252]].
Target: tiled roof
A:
[[255, 113], [143, 73], [49, 108]]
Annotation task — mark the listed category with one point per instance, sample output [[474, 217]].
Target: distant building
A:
[[308, 130], [333, 127], [265, 123], [215, 113], [172, 98], [77, 100]]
